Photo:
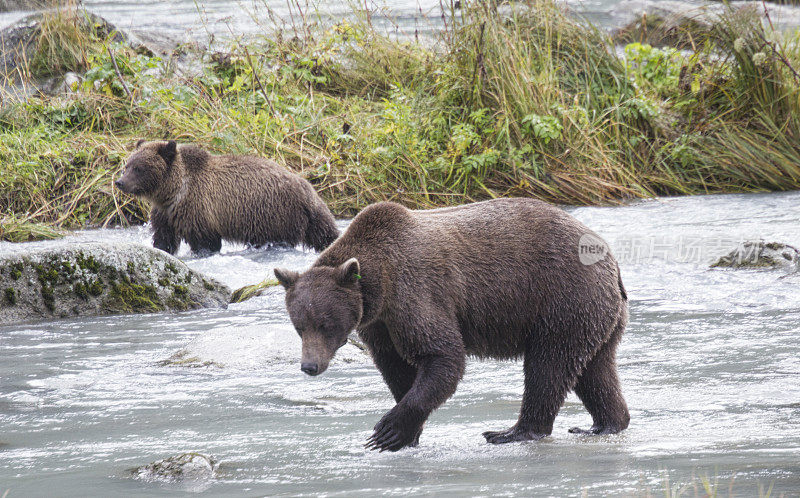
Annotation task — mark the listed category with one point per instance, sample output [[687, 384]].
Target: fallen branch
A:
[[119, 74], [254, 290]]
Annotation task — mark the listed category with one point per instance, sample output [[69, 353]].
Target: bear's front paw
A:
[[395, 430]]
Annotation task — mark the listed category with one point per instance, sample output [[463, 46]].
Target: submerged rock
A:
[[97, 279], [760, 254], [184, 358], [184, 467]]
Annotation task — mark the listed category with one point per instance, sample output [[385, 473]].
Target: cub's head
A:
[[324, 304], [147, 168]]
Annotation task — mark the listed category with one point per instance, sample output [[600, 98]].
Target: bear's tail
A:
[[621, 287], [321, 230]]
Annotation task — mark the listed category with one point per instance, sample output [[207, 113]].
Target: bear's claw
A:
[[391, 434], [384, 440], [511, 435]]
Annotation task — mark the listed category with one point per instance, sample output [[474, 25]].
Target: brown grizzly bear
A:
[[203, 198], [497, 279]]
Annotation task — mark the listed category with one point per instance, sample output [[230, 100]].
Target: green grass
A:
[[19, 230], [526, 101]]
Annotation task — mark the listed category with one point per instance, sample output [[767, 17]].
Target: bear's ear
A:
[[140, 143], [287, 278], [348, 272], [168, 151]]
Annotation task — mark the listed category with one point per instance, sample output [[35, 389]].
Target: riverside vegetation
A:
[[520, 100]]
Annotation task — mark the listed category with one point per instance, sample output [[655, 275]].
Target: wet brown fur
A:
[[496, 279], [203, 198]]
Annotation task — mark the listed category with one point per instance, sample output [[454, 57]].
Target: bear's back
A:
[[516, 223], [251, 199], [498, 265]]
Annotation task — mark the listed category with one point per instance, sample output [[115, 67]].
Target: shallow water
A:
[[199, 19], [710, 366]]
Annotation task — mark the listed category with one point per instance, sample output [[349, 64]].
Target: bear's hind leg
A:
[[546, 387], [599, 389]]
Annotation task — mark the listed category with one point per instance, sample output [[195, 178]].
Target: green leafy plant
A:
[[544, 128]]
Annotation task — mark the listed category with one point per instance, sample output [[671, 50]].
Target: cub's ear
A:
[[348, 272], [287, 278], [140, 143], [168, 151]]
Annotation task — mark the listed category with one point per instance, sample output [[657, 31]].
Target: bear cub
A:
[[502, 279], [203, 198]]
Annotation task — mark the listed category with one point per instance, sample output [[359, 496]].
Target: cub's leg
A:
[[164, 236], [205, 244]]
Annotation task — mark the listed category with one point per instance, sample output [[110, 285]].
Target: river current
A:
[[710, 367]]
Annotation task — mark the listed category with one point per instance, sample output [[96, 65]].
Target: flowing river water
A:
[[710, 366], [198, 19]]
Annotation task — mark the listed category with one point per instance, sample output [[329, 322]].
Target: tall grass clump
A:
[[524, 101], [551, 98], [754, 137], [65, 39]]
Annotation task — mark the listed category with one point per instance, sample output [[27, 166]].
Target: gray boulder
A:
[[80, 279], [760, 254]]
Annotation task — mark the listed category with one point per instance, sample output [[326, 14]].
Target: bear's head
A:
[[325, 305], [147, 169]]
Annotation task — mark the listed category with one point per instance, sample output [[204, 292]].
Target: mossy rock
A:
[[186, 466], [56, 280], [45, 51], [761, 255]]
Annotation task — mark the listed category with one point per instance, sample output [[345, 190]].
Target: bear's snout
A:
[[122, 186], [310, 368]]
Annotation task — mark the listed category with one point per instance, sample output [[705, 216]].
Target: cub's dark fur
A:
[[203, 198], [496, 279]]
